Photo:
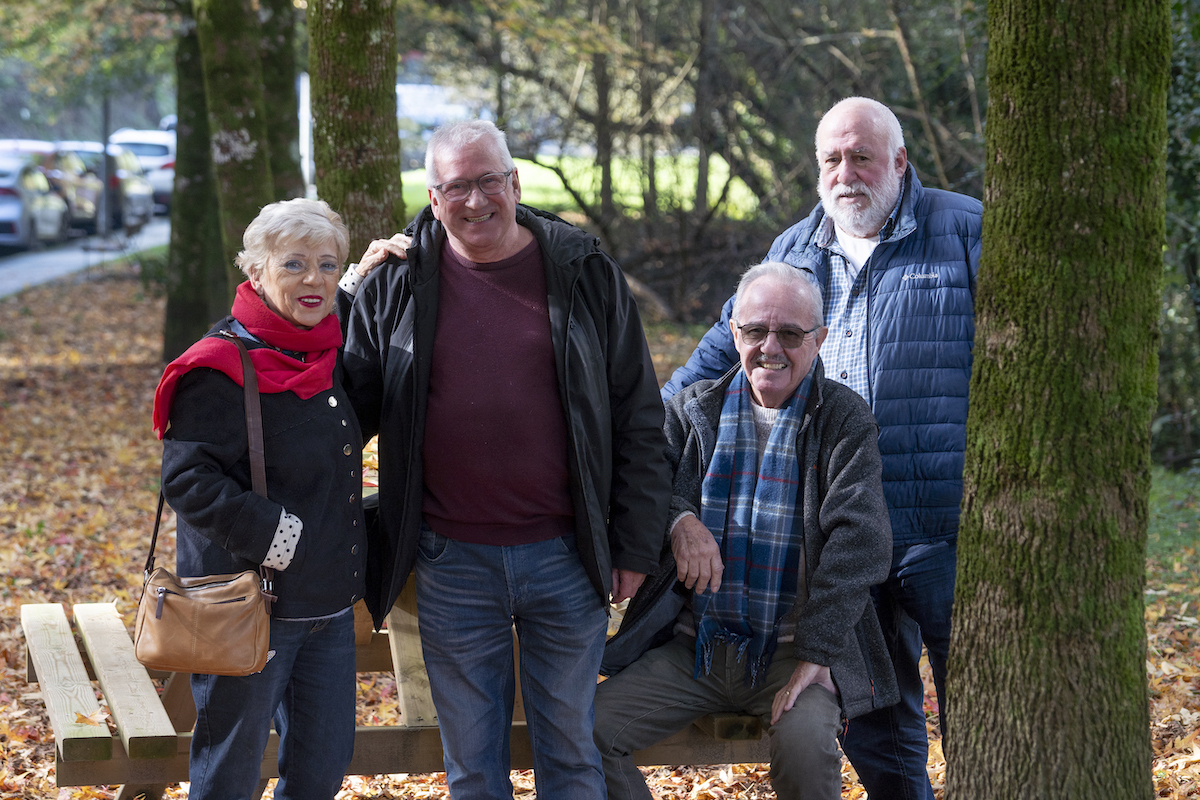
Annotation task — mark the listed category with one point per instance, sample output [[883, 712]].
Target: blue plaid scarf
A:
[[752, 514]]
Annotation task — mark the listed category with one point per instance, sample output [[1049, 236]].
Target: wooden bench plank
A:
[[412, 684], [65, 687], [388, 750], [375, 655], [145, 729], [731, 727]]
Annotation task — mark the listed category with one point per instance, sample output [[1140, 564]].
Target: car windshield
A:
[[92, 160], [145, 149]]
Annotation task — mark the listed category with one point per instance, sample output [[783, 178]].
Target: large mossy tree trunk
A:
[[1047, 685], [278, 58], [230, 37], [197, 286], [356, 139]]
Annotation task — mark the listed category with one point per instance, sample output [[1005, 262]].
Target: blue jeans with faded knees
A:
[[307, 688], [889, 748], [469, 596]]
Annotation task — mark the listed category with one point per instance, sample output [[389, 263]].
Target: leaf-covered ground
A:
[[79, 360]]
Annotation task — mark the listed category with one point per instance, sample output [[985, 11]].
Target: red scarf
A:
[[276, 372]]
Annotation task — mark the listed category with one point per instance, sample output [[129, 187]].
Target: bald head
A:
[[861, 155], [865, 115]]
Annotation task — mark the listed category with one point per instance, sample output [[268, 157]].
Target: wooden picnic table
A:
[[149, 750]]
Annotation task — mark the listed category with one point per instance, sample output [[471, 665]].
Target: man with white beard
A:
[[896, 263]]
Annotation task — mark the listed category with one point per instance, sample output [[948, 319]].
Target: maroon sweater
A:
[[495, 453]]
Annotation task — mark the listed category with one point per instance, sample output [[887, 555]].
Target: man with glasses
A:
[[521, 467], [780, 528], [897, 263]]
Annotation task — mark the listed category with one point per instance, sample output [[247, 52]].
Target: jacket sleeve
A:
[[712, 358], [641, 480], [683, 458], [364, 351], [857, 552], [205, 467]]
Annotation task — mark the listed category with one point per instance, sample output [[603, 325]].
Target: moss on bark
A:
[[230, 37], [1047, 688], [356, 141], [197, 286]]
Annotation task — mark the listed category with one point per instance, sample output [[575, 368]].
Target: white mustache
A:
[[858, 187]]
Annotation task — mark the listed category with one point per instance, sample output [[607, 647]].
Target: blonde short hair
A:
[[311, 222]]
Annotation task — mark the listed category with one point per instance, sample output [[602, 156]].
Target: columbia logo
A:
[[913, 276]]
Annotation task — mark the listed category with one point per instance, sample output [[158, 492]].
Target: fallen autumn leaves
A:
[[79, 361]]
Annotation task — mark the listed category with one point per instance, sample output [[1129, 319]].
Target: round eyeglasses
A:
[[787, 337], [492, 183]]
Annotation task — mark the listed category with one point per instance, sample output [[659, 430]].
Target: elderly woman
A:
[[310, 530]]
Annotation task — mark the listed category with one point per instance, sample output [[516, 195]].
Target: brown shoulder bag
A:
[[214, 624]]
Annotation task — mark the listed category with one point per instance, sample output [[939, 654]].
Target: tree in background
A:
[[1176, 429], [1047, 685], [61, 60], [230, 37], [732, 89], [352, 80], [195, 278], [278, 58]]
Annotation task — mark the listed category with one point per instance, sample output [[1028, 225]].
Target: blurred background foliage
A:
[[679, 131]]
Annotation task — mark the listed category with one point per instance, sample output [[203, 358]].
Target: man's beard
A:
[[864, 222]]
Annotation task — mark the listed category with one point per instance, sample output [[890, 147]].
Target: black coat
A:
[[620, 484], [314, 470]]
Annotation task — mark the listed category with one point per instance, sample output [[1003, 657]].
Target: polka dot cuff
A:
[[283, 546], [350, 281]]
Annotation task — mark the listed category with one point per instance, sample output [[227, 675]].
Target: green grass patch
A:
[[541, 187], [1174, 528]]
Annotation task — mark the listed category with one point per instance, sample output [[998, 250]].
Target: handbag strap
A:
[[258, 467], [254, 425]]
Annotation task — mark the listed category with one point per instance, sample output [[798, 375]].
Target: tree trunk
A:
[[356, 140], [604, 126], [197, 287], [278, 58], [708, 64], [1047, 685], [229, 44]]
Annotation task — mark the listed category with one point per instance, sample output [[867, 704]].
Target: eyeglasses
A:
[[492, 183], [787, 337]]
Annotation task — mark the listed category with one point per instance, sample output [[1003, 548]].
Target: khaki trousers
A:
[[657, 696]]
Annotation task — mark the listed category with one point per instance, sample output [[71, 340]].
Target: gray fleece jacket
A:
[[847, 539]]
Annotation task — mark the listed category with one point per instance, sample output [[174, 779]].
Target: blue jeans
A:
[[469, 596], [889, 748], [307, 687]]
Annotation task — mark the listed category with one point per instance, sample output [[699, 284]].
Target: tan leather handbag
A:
[[213, 624]]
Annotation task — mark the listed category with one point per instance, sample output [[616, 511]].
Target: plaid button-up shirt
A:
[[845, 350]]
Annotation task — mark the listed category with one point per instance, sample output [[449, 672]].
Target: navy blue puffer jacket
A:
[[921, 334]]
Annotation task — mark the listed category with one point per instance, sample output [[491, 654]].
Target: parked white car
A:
[[155, 151], [129, 196], [30, 211]]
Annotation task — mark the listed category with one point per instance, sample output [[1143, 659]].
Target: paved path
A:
[[22, 270]]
